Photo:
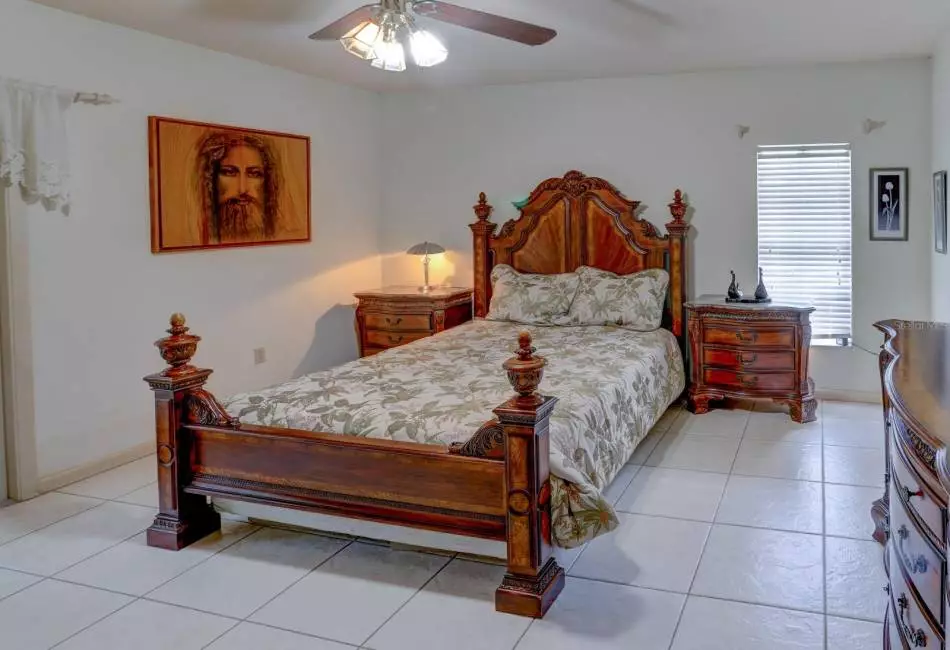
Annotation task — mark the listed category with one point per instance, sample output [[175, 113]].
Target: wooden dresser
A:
[[393, 316], [911, 518], [743, 350]]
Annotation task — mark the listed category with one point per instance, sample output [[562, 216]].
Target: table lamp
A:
[[425, 249]]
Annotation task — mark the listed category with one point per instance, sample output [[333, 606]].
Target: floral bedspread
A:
[[613, 385]]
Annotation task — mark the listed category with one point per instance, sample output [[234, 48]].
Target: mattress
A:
[[613, 384]]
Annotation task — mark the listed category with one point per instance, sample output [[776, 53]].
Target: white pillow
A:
[[633, 301], [536, 299]]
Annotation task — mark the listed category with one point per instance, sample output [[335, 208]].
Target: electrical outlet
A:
[[260, 356]]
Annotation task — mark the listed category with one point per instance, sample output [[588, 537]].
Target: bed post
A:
[[677, 230], [482, 230], [182, 518], [533, 579]]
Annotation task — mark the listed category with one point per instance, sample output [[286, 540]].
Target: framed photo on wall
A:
[[940, 212], [215, 186], [890, 189]]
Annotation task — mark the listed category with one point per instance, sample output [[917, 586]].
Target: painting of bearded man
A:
[[216, 186]]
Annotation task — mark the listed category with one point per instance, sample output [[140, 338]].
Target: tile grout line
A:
[[525, 633], [727, 600], [238, 620], [135, 598], [284, 590], [224, 633], [143, 596], [409, 600], [702, 553], [97, 621], [101, 503], [824, 541], [269, 626]]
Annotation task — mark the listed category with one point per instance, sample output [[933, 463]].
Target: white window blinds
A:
[[804, 230]]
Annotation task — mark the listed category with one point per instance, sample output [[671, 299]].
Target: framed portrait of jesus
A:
[[215, 186]]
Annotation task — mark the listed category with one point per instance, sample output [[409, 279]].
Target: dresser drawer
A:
[[923, 565], [748, 359], [915, 626], [398, 322], [771, 337], [749, 381], [384, 339], [918, 499]]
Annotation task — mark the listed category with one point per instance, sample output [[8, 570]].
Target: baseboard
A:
[[843, 395], [61, 479]]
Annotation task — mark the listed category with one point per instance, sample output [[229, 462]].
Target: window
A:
[[804, 228]]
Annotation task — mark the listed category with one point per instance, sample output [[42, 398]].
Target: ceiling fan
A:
[[377, 32]]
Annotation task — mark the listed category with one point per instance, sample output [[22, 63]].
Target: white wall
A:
[[940, 263], [100, 298], [650, 135]]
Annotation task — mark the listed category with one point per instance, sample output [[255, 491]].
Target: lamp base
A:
[[425, 289]]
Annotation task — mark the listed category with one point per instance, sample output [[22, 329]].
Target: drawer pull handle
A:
[[917, 637], [919, 564], [741, 336], [390, 321], [749, 382], [908, 494], [746, 360], [395, 339]]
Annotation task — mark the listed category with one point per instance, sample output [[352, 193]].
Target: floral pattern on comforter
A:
[[613, 385]]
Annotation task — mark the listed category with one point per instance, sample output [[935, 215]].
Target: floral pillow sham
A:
[[633, 301], [534, 299]]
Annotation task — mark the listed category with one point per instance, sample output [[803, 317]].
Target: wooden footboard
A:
[[495, 486]]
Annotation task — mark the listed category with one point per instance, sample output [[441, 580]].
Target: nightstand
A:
[[393, 316], [750, 350]]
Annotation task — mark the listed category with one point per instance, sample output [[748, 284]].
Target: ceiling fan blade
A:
[[340, 28], [508, 28]]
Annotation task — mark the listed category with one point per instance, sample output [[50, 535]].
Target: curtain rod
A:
[[96, 99]]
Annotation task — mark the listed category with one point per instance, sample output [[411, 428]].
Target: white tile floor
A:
[[739, 530]]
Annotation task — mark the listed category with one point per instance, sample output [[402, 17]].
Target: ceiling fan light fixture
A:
[[360, 40], [427, 50], [390, 56]]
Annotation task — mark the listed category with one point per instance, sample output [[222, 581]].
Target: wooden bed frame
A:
[[494, 486]]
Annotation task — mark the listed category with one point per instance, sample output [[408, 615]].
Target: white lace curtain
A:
[[33, 148]]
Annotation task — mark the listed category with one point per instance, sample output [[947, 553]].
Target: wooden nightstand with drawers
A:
[[750, 350], [393, 316]]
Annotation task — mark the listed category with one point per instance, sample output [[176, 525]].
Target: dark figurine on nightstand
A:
[[761, 293], [734, 293]]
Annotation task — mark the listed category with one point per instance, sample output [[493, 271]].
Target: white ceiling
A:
[[597, 38]]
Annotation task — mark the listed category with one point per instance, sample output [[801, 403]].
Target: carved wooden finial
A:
[[525, 370], [525, 349], [482, 209], [178, 348], [678, 209]]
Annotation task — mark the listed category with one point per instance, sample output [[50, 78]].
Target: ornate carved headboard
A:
[[578, 221]]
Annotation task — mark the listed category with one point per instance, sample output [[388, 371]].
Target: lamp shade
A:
[[426, 248]]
